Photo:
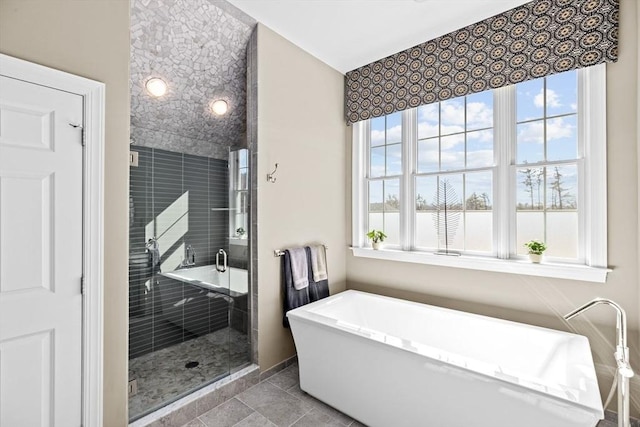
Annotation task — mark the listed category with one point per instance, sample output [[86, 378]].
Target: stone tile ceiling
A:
[[199, 48]]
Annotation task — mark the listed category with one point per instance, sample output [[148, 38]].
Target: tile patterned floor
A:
[[276, 401], [162, 376], [279, 401]]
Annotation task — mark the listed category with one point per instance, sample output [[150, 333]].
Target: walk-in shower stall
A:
[[188, 281], [189, 248]]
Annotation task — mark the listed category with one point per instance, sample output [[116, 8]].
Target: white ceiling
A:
[[347, 34]]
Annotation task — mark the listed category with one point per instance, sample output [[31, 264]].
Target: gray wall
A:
[[160, 178]]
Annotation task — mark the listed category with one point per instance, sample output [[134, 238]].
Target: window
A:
[[454, 170], [385, 171], [238, 215], [547, 204], [480, 175]]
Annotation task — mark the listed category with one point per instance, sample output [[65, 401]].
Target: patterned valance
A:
[[539, 38]]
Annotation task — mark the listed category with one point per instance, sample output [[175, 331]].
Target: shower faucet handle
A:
[[191, 254], [189, 257]]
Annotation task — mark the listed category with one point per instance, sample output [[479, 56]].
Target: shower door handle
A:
[[221, 268]]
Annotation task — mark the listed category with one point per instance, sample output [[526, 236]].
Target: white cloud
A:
[[553, 99], [480, 158], [393, 135], [427, 130], [448, 143], [452, 113], [556, 129], [377, 137], [428, 157], [479, 115], [428, 112], [485, 136], [377, 170], [560, 128], [449, 129]]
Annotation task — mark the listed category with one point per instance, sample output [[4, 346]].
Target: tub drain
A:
[[191, 365]]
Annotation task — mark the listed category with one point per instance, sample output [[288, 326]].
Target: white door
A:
[[40, 256]]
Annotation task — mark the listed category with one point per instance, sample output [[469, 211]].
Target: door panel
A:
[[26, 361], [26, 126], [40, 256], [26, 231]]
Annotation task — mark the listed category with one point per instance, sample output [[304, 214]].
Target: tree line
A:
[[533, 181], [475, 202]]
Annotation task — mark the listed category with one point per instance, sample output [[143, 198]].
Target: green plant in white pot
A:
[[377, 237], [536, 249]]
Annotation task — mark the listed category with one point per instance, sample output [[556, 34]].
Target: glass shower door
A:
[[180, 306]]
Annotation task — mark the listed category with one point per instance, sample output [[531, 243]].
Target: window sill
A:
[[553, 270]]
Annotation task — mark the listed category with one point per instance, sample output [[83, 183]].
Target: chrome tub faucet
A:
[[624, 371]]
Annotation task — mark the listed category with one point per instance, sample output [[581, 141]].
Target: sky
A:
[[445, 125]]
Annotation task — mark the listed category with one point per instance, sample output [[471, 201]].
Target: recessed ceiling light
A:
[[156, 86], [219, 106]]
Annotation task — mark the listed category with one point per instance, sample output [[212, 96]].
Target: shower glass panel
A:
[[188, 281]]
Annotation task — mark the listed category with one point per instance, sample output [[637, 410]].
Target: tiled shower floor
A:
[[162, 376]]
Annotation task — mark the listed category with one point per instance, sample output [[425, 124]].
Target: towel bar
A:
[[279, 252]]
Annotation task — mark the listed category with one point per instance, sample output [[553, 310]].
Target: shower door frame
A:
[[93, 94]]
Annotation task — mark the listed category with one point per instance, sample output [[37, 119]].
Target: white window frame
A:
[[592, 163], [234, 199]]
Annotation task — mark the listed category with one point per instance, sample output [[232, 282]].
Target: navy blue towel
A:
[[294, 298]]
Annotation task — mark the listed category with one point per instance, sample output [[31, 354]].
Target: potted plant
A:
[[536, 248], [377, 237], [241, 232]]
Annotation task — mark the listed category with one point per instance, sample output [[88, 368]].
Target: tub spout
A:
[[624, 371], [621, 317]]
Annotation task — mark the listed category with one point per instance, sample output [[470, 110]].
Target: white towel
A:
[[318, 262], [299, 268]]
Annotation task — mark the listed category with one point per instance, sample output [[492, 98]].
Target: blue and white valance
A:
[[534, 40]]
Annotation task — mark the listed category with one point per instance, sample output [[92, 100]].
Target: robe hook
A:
[[270, 176]]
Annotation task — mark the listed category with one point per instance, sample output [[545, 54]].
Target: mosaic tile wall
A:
[[199, 48]]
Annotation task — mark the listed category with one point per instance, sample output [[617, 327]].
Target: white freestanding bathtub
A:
[[393, 363]]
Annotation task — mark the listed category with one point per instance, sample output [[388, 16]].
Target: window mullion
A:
[[592, 127], [360, 184], [407, 206], [504, 124]]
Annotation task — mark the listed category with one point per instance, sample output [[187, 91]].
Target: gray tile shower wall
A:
[[164, 312], [153, 138]]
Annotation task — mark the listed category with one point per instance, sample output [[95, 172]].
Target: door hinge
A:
[[82, 284], [82, 133], [133, 387]]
